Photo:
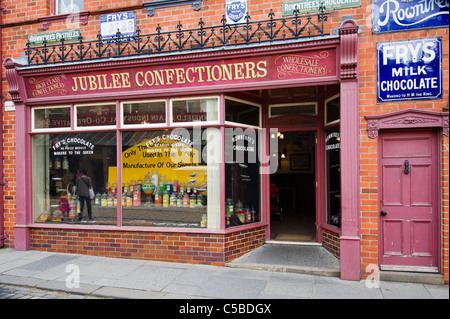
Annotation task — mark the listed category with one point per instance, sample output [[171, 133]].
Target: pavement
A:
[[256, 276]]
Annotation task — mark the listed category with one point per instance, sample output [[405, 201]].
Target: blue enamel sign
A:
[[398, 15], [111, 23], [409, 70], [236, 11]]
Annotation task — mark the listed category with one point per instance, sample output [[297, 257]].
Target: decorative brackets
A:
[[156, 4], [81, 17], [15, 86], [410, 118], [349, 49]]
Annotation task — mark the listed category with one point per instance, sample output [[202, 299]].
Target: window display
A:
[[332, 155], [165, 179], [242, 178], [168, 176], [59, 160]]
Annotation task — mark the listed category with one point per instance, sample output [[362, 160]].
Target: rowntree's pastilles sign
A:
[[409, 70], [398, 15]]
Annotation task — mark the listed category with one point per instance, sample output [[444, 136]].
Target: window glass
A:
[[333, 178], [195, 110], [304, 109], [144, 113], [242, 178], [332, 110], [96, 115], [58, 117], [241, 112], [58, 160], [69, 6], [169, 180]]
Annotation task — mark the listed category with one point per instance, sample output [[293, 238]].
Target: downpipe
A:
[[2, 183]]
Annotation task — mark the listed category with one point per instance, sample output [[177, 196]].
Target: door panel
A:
[[409, 199], [421, 238], [393, 237], [392, 191], [421, 186]]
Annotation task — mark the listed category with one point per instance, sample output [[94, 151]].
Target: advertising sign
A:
[[399, 15], [53, 37], [236, 11], [310, 6], [111, 23], [409, 70], [314, 64]]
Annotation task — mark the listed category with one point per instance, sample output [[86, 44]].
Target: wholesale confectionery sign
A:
[[305, 65], [409, 70], [399, 15]]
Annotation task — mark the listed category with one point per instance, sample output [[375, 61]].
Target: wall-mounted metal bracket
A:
[[156, 4]]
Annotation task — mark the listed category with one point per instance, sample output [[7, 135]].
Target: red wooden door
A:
[[409, 201]]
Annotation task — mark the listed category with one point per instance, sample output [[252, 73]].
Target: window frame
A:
[[142, 126], [56, 8], [237, 124], [47, 130], [93, 127], [173, 124], [293, 104]]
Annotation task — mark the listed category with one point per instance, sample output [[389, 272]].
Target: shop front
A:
[[182, 150]]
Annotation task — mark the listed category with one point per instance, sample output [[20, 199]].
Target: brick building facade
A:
[[347, 32]]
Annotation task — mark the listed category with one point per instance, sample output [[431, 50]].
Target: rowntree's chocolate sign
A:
[[302, 65]]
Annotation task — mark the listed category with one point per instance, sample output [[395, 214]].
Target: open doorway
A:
[[293, 198]]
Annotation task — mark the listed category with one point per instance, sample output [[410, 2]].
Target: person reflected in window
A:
[[82, 191]]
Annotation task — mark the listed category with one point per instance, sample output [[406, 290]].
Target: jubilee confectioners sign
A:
[[302, 65], [399, 15], [409, 70]]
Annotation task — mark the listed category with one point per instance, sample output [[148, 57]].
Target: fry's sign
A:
[[304, 65]]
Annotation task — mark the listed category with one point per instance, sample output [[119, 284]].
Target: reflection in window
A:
[[57, 117], [195, 110], [57, 161], [241, 112], [96, 115], [332, 154], [69, 6], [144, 113], [332, 110], [169, 180], [303, 109], [242, 179]]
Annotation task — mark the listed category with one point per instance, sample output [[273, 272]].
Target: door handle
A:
[[406, 167], [383, 213]]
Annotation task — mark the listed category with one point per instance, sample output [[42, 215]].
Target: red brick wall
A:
[[331, 242], [210, 249]]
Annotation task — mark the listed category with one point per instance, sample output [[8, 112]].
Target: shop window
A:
[[58, 160], [144, 113], [169, 179], [333, 169], [332, 161], [98, 115], [51, 118], [242, 112], [68, 6], [242, 178], [195, 110], [301, 109], [332, 110]]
